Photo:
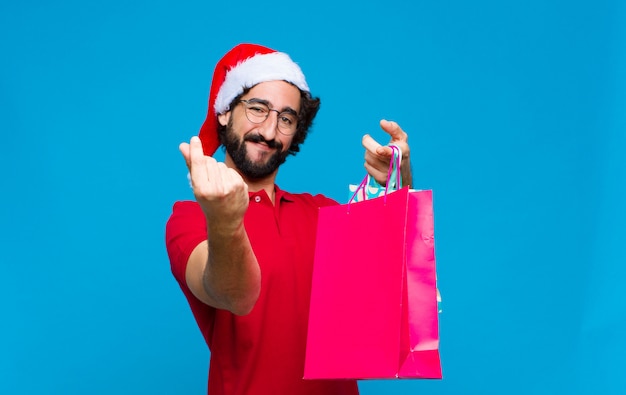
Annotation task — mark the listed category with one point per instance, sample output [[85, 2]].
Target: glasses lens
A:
[[256, 112], [287, 122]]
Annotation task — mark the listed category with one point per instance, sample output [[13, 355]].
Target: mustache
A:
[[257, 138]]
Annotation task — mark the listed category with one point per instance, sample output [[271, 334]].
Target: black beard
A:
[[236, 148]]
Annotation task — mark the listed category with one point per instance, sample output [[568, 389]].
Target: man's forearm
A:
[[232, 276]]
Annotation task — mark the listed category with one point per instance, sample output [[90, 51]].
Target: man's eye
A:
[[258, 110], [287, 119]]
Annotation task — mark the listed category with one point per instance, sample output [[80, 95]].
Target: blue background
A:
[[515, 111]]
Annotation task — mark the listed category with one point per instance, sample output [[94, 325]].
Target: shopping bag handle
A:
[[394, 170]]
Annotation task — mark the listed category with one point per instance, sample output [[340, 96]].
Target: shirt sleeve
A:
[[323, 201], [185, 229]]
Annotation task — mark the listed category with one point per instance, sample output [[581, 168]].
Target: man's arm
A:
[[377, 157], [222, 272]]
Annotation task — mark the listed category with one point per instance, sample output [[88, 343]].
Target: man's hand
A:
[[223, 271], [220, 190], [377, 157]]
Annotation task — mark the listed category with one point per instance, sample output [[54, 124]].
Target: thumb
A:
[[184, 149], [374, 147]]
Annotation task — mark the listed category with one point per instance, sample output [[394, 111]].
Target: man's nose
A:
[[269, 127]]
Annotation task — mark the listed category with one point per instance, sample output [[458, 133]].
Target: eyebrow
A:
[[267, 103]]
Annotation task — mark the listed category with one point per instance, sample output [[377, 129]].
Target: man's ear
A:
[[224, 118]]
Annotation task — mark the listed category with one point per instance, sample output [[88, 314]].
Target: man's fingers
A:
[[184, 149], [214, 175], [398, 136], [393, 129], [374, 147], [379, 175], [197, 168]]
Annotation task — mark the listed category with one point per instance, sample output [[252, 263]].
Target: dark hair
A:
[[309, 106]]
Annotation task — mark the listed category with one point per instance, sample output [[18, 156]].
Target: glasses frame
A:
[[251, 102]]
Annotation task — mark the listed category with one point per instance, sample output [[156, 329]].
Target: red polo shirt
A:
[[262, 352]]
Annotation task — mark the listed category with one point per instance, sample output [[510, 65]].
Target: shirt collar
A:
[[280, 194]]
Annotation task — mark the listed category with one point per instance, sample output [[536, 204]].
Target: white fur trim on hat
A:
[[275, 66]]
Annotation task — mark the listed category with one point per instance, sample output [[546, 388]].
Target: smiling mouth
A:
[[258, 139], [262, 145]]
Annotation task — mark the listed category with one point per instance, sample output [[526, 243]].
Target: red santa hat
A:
[[243, 67]]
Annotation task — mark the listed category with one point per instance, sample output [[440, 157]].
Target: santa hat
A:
[[243, 67]]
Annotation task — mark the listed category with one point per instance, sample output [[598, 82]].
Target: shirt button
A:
[[257, 199]]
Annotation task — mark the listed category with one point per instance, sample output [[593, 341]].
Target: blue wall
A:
[[516, 118]]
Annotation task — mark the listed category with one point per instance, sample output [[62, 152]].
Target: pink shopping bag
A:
[[373, 311]]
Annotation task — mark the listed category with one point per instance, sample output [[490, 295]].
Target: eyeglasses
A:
[[257, 112]]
